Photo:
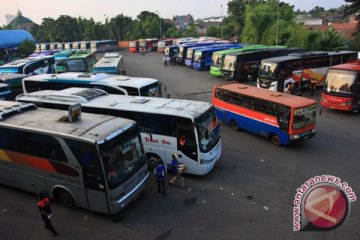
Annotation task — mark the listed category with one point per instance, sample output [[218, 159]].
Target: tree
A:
[[67, 29], [172, 33], [47, 30], [214, 31], [121, 26], [353, 7], [333, 40], [26, 48], [191, 32]]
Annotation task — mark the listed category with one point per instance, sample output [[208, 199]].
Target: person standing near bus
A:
[[46, 213], [176, 170], [312, 86], [160, 172]]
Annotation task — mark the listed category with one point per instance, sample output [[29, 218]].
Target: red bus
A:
[[342, 87], [134, 46], [148, 45], [281, 117], [162, 44]]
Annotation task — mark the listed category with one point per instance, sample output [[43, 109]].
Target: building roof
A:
[[13, 38]]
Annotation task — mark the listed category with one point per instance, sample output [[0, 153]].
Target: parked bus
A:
[[162, 44], [181, 53], [44, 53], [114, 84], [13, 82], [68, 46], [217, 61], [38, 47], [76, 45], [148, 45], [244, 66], [104, 46], [283, 118], [85, 45], [162, 122], [112, 63], [81, 61], [96, 162], [277, 73], [54, 45], [203, 56], [44, 46], [342, 87], [30, 65], [134, 46], [61, 60], [5, 91], [171, 51], [190, 54]]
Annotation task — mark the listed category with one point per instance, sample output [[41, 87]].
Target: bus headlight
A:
[[205, 162], [292, 137]]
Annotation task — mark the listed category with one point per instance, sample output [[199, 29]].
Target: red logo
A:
[[326, 207]]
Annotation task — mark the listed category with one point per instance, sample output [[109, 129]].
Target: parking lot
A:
[[248, 195]]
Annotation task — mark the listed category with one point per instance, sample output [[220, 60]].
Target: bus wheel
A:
[[153, 161], [234, 125], [275, 139], [65, 198]]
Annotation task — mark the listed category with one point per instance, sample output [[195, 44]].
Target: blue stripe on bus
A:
[[252, 125]]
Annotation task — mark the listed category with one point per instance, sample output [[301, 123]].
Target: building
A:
[[183, 22], [313, 22], [22, 23]]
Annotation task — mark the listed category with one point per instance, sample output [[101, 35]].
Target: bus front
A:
[[78, 64], [216, 64], [342, 90], [125, 167], [229, 67], [302, 125], [179, 56], [268, 75], [189, 57], [199, 60], [209, 140]]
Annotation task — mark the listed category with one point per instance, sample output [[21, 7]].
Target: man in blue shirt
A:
[[160, 172]]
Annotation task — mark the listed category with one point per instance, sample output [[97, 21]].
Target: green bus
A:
[[81, 61], [217, 61], [61, 60]]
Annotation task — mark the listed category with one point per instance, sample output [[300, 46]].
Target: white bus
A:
[[111, 63], [167, 126], [94, 162], [30, 65], [114, 84]]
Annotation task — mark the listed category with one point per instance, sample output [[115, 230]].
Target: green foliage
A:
[[353, 7], [172, 33], [332, 40], [191, 32], [214, 31], [355, 43], [26, 48]]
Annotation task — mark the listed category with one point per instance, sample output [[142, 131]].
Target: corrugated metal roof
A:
[[13, 38]]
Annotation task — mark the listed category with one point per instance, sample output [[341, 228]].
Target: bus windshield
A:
[[339, 81], [208, 130], [216, 60], [269, 70], [77, 66], [189, 53], [304, 116], [197, 56], [229, 63], [122, 157]]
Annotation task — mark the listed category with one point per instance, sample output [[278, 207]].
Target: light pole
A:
[[160, 21], [277, 24], [222, 22]]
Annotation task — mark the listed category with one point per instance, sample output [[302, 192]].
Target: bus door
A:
[[186, 143]]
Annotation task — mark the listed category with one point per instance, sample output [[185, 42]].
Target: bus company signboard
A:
[[322, 203]]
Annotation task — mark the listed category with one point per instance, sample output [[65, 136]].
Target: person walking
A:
[[176, 171], [312, 86], [46, 213], [160, 172], [165, 61]]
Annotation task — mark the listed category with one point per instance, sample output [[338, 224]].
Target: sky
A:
[[102, 9]]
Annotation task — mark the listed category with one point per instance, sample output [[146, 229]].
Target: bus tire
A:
[[234, 125], [153, 161], [275, 139], [65, 198]]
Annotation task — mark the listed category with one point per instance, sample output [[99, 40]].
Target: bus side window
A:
[[335, 60], [284, 118]]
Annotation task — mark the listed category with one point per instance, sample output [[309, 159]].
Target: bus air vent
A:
[[139, 100], [123, 78], [84, 76], [275, 94], [242, 87], [11, 108]]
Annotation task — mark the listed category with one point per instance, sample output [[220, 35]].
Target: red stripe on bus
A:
[[31, 161]]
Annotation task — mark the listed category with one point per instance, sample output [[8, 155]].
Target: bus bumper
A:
[[117, 206], [206, 166], [302, 136], [215, 72], [342, 104], [188, 62]]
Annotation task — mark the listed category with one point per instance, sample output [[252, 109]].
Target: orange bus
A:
[[281, 117]]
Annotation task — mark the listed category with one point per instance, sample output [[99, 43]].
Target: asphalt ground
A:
[[248, 195]]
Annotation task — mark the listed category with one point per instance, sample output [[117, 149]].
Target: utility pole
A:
[[277, 24], [109, 25], [222, 22], [160, 22]]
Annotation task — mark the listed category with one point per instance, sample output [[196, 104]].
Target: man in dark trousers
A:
[[46, 213], [160, 172]]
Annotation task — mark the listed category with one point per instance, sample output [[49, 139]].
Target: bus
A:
[[81, 61], [37, 47], [68, 46], [217, 61], [203, 56], [181, 53], [280, 117], [104, 46], [85, 45], [44, 46], [13, 82], [134, 46], [148, 45], [30, 65], [244, 66], [114, 84], [162, 122], [112, 63], [95, 162], [190, 54], [61, 60], [277, 73], [171, 51], [76, 45], [5, 91], [162, 44], [342, 87]]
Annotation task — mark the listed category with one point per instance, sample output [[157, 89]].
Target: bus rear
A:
[[342, 87], [133, 46], [282, 118]]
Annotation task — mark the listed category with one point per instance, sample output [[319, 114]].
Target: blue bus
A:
[[5, 92], [202, 57], [104, 46]]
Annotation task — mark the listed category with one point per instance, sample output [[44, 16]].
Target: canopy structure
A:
[[13, 38]]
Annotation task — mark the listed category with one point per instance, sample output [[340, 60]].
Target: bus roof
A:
[[95, 78], [92, 127], [109, 60], [352, 66], [11, 76], [166, 106], [281, 98], [64, 54], [81, 54], [295, 56], [246, 49], [24, 61]]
